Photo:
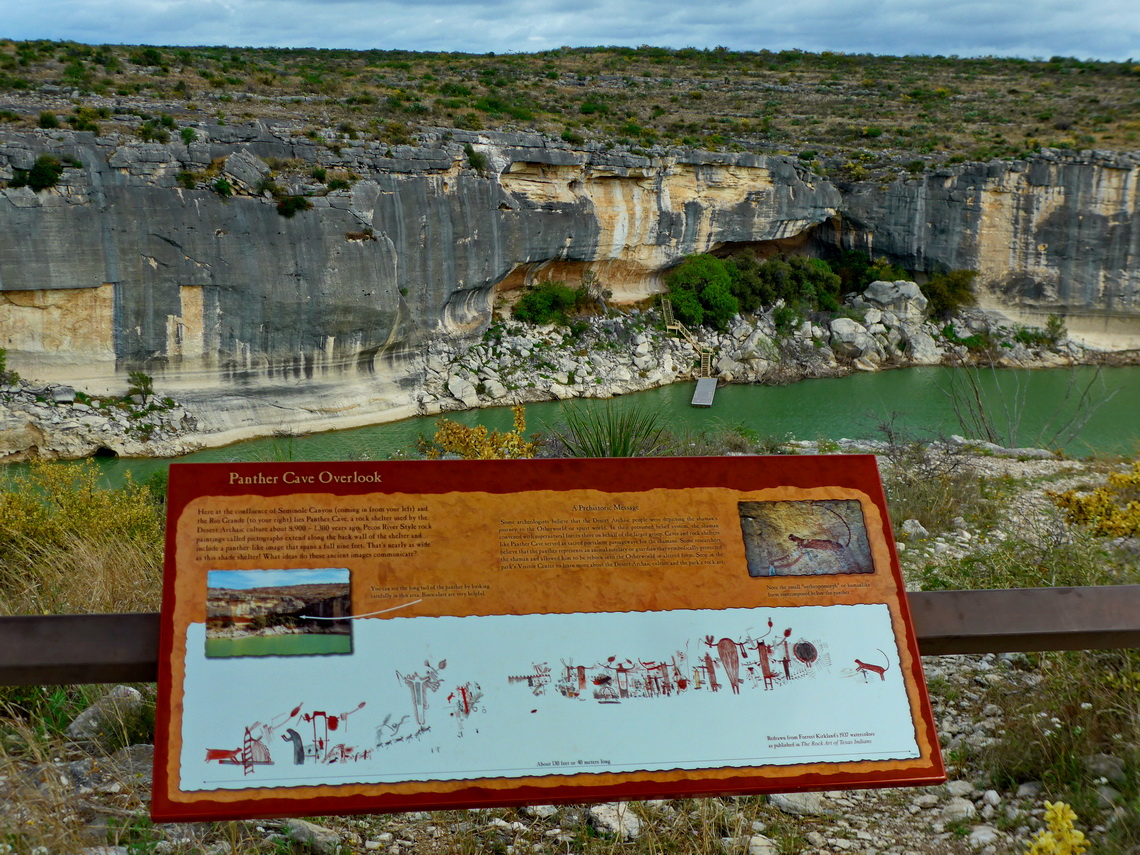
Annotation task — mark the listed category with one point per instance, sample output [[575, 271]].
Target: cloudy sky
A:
[[1096, 29], [244, 580]]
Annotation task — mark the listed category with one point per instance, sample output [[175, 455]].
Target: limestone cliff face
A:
[[117, 268], [329, 312], [1057, 234]]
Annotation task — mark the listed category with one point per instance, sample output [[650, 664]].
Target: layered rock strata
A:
[[512, 363], [175, 260], [1059, 234]]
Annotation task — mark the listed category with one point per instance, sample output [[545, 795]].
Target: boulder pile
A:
[[884, 327], [55, 422]]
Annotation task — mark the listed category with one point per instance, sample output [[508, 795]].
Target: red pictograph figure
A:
[[322, 747], [657, 677], [257, 737], [223, 755], [254, 749], [764, 651], [621, 674], [463, 701], [785, 653], [730, 653], [866, 668], [805, 547], [710, 670]]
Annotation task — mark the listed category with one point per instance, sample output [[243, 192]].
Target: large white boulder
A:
[[851, 340], [901, 298], [921, 347]]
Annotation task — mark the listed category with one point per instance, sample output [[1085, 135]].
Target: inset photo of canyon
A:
[[305, 612], [805, 538]]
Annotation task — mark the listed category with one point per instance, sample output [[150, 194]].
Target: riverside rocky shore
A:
[[614, 353], [100, 797]]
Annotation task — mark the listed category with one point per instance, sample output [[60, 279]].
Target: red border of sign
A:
[[190, 481]]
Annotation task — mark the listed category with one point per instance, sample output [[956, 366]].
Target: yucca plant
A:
[[610, 431]]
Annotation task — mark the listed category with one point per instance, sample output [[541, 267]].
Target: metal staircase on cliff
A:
[[706, 383]]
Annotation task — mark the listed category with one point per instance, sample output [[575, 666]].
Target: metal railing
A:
[[123, 648], [674, 325]]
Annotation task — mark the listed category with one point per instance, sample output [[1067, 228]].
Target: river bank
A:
[[606, 355]]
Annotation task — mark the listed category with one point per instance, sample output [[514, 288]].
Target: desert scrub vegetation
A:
[[69, 545], [1061, 836], [939, 488], [1071, 719], [852, 116], [477, 442], [1112, 510], [608, 431]]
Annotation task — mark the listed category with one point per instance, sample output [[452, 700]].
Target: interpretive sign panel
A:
[[360, 637]]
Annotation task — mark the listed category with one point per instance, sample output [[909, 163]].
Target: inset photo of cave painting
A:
[[278, 612], [805, 538]]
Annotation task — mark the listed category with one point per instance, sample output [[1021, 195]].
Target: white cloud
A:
[[1105, 29]]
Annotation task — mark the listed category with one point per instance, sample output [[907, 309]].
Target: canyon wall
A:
[[1057, 234], [133, 261], [119, 267]]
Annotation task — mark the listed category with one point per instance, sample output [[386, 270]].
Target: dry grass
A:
[[81, 575], [67, 545], [1059, 710]]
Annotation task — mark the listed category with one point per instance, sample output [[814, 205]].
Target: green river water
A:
[[847, 407], [279, 645]]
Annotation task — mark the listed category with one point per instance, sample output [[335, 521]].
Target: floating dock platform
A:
[[703, 396]]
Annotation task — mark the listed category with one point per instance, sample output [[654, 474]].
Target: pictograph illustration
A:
[[465, 703], [476, 633], [420, 685], [322, 745], [805, 538], [740, 663], [537, 680], [865, 668]]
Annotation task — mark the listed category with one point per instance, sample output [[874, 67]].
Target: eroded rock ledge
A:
[[613, 354]]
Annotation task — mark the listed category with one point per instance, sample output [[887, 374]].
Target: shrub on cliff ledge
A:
[[288, 206], [45, 173], [548, 303], [6, 376], [950, 291], [475, 159], [140, 383]]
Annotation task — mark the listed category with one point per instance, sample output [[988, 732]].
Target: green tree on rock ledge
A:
[[701, 290]]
